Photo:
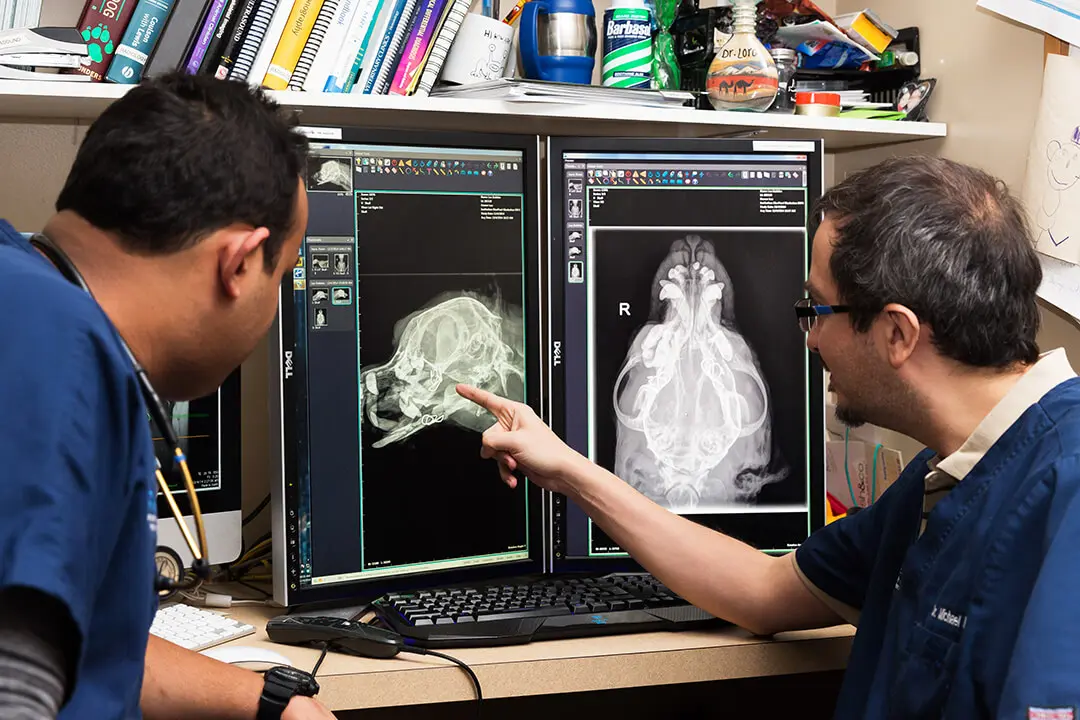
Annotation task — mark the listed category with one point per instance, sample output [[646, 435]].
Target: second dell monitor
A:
[[419, 271], [676, 362]]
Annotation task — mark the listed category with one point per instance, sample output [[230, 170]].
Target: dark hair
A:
[[181, 156], [948, 242]]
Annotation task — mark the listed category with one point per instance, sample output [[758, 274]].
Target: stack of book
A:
[[337, 46]]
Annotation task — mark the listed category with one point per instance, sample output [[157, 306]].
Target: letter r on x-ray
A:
[[624, 309]]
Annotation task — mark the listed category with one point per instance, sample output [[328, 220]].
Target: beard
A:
[[849, 416]]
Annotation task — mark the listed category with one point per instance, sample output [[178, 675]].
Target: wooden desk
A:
[[560, 666]]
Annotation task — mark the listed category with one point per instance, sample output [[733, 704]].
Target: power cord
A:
[[847, 472], [468, 670], [255, 513], [873, 475], [322, 656]]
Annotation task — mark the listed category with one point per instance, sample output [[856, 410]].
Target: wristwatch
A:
[[280, 684]]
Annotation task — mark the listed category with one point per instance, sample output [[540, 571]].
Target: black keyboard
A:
[[538, 608]]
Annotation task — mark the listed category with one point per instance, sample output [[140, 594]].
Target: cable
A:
[[459, 663], [255, 513], [873, 476], [322, 656], [847, 473], [266, 595], [240, 568]]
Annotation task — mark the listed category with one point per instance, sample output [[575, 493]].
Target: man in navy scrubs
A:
[[183, 210], [962, 578]]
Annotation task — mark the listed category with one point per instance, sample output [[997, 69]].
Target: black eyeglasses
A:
[[807, 312]]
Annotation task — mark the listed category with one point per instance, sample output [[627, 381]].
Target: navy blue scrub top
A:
[[979, 617], [77, 499]]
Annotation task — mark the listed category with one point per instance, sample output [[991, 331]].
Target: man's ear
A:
[[239, 255], [899, 330], [1052, 149]]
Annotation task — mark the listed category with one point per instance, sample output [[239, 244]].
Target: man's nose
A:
[[812, 338]]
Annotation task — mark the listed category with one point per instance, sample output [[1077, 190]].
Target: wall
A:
[[989, 74]]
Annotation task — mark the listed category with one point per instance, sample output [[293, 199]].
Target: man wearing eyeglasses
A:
[[962, 578]]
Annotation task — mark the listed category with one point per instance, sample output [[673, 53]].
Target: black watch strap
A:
[[280, 684], [275, 698]]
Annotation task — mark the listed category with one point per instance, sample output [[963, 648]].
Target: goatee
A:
[[849, 417]]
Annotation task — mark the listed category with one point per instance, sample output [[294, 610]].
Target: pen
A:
[[512, 16]]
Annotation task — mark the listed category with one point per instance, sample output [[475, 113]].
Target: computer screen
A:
[[418, 271], [208, 429], [675, 357]]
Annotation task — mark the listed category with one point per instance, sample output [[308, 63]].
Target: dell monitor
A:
[[418, 271], [676, 360]]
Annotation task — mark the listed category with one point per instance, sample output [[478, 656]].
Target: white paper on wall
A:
[[1061, 285], [1052, 183], [1060, 18]]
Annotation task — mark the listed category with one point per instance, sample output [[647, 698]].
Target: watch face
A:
[[290, 674], [302, 681]]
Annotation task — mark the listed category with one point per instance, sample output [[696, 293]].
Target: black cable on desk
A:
[[459, 663], [322, 655]]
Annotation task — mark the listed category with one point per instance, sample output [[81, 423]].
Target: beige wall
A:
[[978, 59]]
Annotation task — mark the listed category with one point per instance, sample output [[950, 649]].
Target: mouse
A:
[[343, 635], [249, 656], [370, 641]]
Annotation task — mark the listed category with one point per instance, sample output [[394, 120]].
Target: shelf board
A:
[[38, 101]]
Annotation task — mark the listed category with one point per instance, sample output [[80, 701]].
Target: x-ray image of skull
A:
[[458, 338], [693, 428], [334, 172]]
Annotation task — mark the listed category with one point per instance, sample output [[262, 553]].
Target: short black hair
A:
[[947, 241], [180, 156]]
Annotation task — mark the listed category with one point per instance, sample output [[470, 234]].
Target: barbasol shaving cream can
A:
[[627, 45]]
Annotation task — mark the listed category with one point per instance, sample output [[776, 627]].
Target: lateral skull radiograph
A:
[[333, 171], [693, 428], [458, 338]]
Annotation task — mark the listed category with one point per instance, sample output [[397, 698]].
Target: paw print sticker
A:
[[98, 42]]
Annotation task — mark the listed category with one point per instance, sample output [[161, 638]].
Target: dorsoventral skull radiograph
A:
[[692, 408], [458, 338]]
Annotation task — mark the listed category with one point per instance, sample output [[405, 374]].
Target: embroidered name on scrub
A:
[[949, 617], [1060, 713]]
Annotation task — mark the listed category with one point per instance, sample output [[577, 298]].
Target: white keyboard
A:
[[195, 628]]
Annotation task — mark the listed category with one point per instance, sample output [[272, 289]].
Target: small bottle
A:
[[786, 65], [742, 76]]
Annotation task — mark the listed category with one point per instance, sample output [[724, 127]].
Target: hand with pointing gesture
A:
[[521, 442]]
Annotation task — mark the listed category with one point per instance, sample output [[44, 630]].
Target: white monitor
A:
[[208, 429]]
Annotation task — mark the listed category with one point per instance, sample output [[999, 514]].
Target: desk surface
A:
[[560, 666]]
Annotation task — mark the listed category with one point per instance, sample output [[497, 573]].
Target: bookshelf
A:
[[63, 102]]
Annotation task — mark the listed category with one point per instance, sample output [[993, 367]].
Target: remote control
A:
[[354, 637]]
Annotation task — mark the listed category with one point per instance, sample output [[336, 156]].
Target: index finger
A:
[[489, 401], [500, 407]]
